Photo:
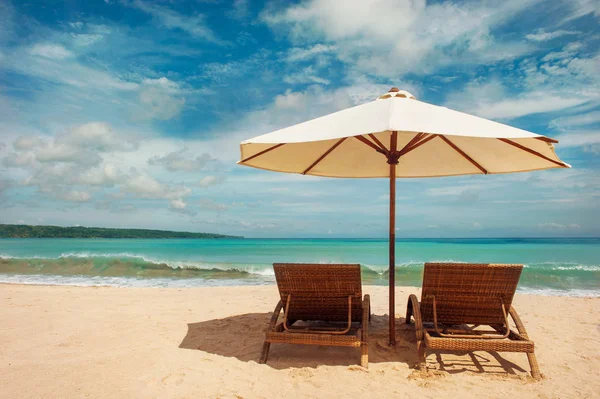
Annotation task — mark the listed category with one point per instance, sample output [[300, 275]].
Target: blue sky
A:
[[129, 113]]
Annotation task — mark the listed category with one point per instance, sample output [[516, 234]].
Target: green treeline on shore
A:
[[27, 231]]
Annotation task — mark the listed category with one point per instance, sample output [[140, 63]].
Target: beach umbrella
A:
[[397, 136]]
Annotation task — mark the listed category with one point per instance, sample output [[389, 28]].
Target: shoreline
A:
[[539, 292], [65, 341]]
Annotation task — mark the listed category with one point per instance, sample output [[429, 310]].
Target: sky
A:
[[129, 113]]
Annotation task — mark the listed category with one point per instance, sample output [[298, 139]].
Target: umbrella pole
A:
[[392, 265]]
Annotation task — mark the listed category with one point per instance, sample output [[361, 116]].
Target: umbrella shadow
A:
[[242, 337]]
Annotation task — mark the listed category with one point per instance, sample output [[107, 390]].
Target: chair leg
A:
[[265, 353], [364, 356], [421, 354], [535, 369]]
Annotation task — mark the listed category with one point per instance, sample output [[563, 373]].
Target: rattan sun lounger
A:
[[458, 296], [322, 304]]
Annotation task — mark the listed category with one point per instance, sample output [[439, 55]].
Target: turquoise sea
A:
[[557, 266]]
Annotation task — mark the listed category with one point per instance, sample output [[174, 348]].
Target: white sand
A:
[[60, 342]]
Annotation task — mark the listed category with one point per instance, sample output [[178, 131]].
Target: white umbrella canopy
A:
[[399, 136]]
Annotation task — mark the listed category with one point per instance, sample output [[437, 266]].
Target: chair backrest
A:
[[320, 291], [468, 293]]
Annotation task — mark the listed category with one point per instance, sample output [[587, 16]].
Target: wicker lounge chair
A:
[[459, 294], [327, 299]]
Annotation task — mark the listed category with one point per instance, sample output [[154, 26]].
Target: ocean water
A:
[[565, 266]]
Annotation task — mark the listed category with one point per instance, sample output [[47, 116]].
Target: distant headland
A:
[[27, 231]]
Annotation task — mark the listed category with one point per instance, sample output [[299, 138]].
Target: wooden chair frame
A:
[[354, 333], [503, 339]]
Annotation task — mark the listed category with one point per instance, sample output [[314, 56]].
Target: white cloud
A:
[[567, 122], [53, 63], [194, 25], [107, 175], [492, 99], [579, 138], [161, 98], [391, 37], [178, 204], [97, 136], [541, 35], [25, 143], [185, 161], [306, 75], [18, 160], [75, 196], [86, 39], [211, 180], [143, 185], [299, 54], [580, 8], [66, 153], [52, 51], [239, 10]]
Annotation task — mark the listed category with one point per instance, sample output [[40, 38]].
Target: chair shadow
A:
[[242, 337]]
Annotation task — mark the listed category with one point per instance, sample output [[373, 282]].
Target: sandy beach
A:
[[59, 341]]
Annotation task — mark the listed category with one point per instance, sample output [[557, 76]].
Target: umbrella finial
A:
[[396, 92]]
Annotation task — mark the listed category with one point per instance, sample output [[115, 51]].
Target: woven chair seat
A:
[[285, 337], [474, 344]]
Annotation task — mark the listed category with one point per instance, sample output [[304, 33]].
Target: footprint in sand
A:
[[173, 378]]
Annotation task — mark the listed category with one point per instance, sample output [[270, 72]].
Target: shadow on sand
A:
[[242, 337]]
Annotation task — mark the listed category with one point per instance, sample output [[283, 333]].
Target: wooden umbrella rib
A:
[[547, 139], [394, 142], [406, 150], [461, 152], [368, 142], [379, 143], [333, 147], [412, 141], [262, 152], [529, 150]]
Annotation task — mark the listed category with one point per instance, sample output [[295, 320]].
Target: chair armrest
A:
[[520, 326], [413, 309], [275, 315], [366, 315]]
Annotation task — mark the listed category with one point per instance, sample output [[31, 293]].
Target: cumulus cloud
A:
[[211, 180], [107, 175], [97, 136], [80, 145], [75, 196], [143, 185], [25, 143], [161, 98], [18, 160], [66, 153], [183, 160], [178, 204]]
